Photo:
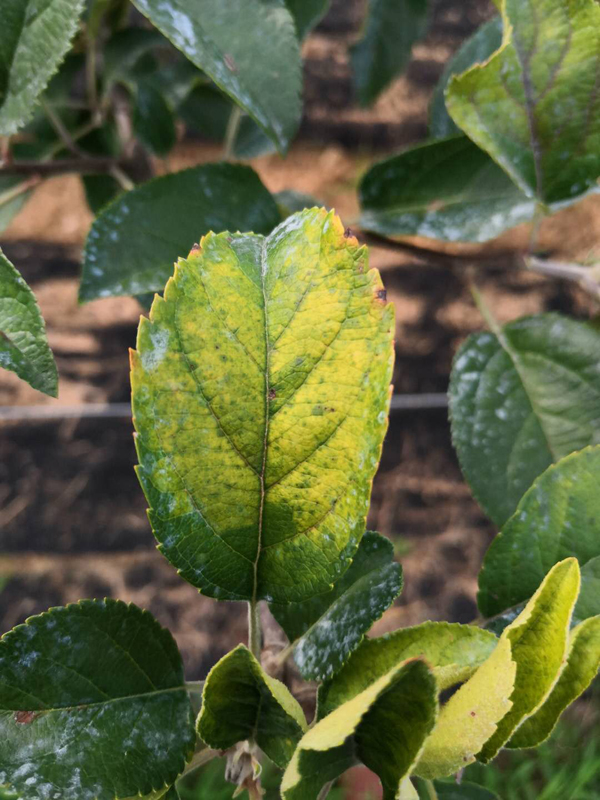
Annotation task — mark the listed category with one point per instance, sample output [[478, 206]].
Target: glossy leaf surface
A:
[[328, 627], [246, 47], [307, 14], [134, 242], [153, 120], [520, 402], [453, 651], [240, 701], [23, 343], [391, 29], [92, 705], [384, 727], [260, 397], [558, 517], [534, 105], [34, 38]]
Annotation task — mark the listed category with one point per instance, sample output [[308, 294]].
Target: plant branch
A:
[[60, 129], [484, 310], [60, 167], [431, 792], [231, 132], [588, 278], [19, 189]]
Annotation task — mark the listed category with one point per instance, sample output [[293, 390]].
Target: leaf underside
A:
[[260, 398]]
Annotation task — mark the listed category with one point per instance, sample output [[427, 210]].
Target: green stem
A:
[[194, 686], [122, 179], [325, 790], [254, 631], [484, 310], [57, 124], [21, 188], [86, 128], [199, 759], [433, 795], [233, 126]]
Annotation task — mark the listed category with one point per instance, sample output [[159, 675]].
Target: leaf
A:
[[93, 705], [153, 120], [307, 14], [477, 49], [463, 791], [289, 201], [125, 48], [132, 245], [407, 790], [23, 344], [11, 185], [328, 627], [240, 701], [539, 638], [515, 680], [391, 29], [215, 37], [384, 727], [558, 517], [520, 402], [534, 106], [447, 189], [260, 397], [453, 651], [582, 666], [588, 604], [34, 38]]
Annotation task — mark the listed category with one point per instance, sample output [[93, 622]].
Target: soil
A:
[[72, 515]]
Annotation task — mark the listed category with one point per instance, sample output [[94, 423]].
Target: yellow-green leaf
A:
[[453, 651], [240, 701], [581, 668], [384, 727], [260, 398]]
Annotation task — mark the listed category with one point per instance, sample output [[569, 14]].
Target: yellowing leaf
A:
[[240, 701], [260, 397], [384, 727], [582, 665]]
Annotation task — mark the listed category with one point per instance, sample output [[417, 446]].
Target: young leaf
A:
[[328, 627], [384, 727], [93, 705], [447, 189], [34, 38], [533, 106], [558, 517], [521, 401], [583, 661], [23, 344], [132, 245], [266, 364], [453, 651], [215, 37], [307, 14], [153, 120], [391, 29], [477, 49], [240, 701]]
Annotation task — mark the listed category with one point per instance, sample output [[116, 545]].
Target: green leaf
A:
[[328, 627], [453, 651], [588, 604], [289, 201], [93, 705], [240, 701], [246, 47], [260, 397], [521, 401], [34, 38], [100, 190], [307, 14], [153, 120], [132, 245], [124, 49], [391, 29], [533, 106], [10, 188], [23, 343], [384, 727], [447, 189], [583, 661], [558, 517], [477, 49], [463, 791]]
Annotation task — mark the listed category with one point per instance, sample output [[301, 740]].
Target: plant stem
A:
[[325, 790], [254, 631], [233, 126], [194, 686], [201, 758], [122, 179], [433, 795], [60, 129], [15, 191], [484, 309]]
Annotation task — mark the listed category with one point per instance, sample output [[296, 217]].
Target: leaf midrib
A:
[[97, 703]]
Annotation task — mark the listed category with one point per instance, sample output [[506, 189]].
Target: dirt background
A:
[[72, 515]]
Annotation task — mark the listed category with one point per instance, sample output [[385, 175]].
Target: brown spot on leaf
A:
[[473, 714], [196, 249], [24, 717], [348, 233], [272, 394], [230, 63], [381, 294]]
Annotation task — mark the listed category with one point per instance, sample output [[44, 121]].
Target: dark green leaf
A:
[[92, 705], [328, 627], [251, 141], [247, 47], [133, 244], [558, 517], [23, 343], [447, 790], [520, 402], [125, 48], [534, 105], [289, 201], [34, 37], [240, 701], [206, 111], [153, 120], [391, 29], [100, 190], [307, 14], [588, 604], [477, 49], [447, 189]]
